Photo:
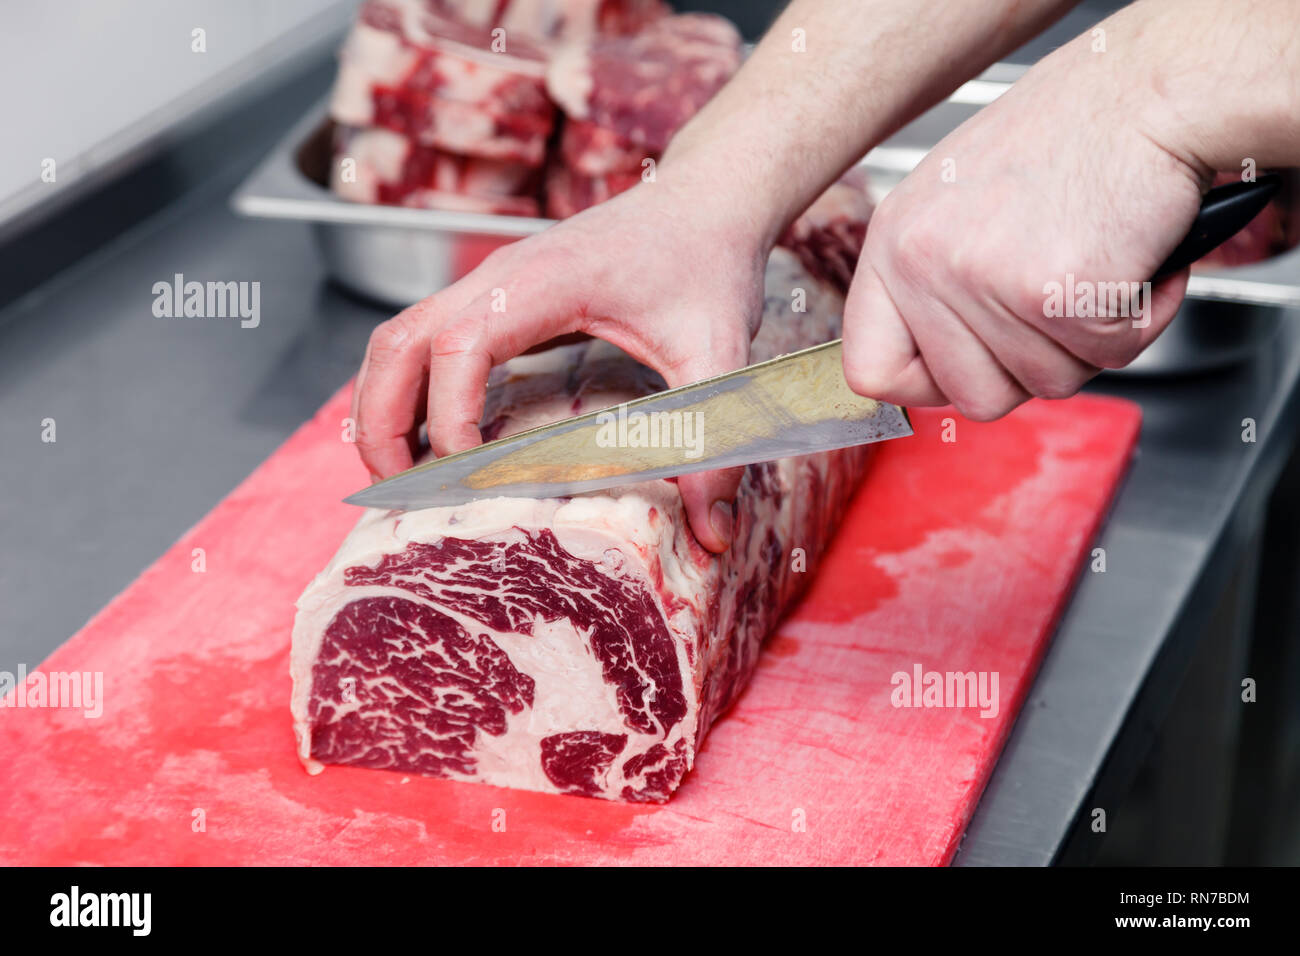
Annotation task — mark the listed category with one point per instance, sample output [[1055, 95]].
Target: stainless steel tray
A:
[[398, 256], [394, 255]]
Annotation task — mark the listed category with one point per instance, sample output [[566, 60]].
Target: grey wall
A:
[[87, 81]]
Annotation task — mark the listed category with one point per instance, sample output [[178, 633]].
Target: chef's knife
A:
[[795, 404], [792, 405], [1225, 211]]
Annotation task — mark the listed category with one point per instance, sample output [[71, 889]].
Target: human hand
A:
[[1068, 181], [655, 271]]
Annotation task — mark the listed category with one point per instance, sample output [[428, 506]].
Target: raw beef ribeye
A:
[[580, 645]]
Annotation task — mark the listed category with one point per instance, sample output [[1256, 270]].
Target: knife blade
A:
[[794, 404]]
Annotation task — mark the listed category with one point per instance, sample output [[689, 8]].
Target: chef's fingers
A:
[[881, 359], [960, 363], [716, 348], [388, 394], [1166, 299], [1042, 366], [1122, 320], [389, 397], [499, 324], [710, 501]]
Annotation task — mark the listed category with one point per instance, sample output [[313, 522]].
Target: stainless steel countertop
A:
[[1179, 527], [157, 419]]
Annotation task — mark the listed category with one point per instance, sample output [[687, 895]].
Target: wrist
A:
[[714, 198], [1165, 66]]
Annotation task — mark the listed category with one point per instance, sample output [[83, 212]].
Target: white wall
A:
[[84, 80]]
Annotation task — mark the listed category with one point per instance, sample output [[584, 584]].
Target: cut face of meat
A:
[[578, 645], [462, 682]]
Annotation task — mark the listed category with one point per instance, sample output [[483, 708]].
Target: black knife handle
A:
[[1225, 211]]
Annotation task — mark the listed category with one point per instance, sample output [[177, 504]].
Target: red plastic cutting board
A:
[[957, 556]]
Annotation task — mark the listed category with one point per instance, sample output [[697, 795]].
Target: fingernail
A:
[[375, 479], [721, 520]]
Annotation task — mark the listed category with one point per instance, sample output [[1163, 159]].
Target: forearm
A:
[[793, 119], [1216, 81]]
